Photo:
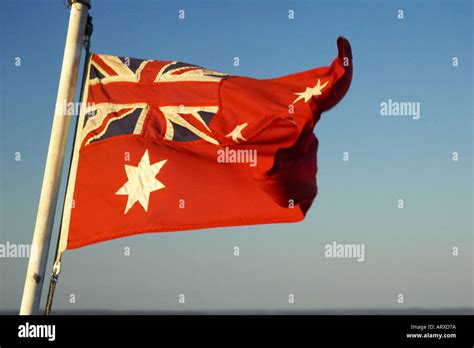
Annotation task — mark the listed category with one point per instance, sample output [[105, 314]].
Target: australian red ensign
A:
[[167, 146]]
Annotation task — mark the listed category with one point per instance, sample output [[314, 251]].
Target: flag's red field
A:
[[168, 146]]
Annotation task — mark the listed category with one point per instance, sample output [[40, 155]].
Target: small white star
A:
[[141, 182], [236, 134], [309, 92]]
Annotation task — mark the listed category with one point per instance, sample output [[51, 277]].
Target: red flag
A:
[[168, 146]]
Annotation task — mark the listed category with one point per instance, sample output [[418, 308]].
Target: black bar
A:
[[189, 330]]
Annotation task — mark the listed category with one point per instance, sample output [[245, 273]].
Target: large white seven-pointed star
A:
[[309, 92], [236, 134], [141, 182]]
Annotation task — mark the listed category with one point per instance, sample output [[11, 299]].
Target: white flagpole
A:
[[54, 161]]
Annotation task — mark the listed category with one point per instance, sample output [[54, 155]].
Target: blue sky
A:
[[408, 250]]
